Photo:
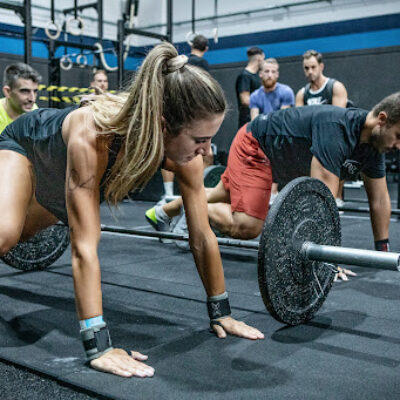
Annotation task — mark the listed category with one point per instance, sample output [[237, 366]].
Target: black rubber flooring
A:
[[154, 303]]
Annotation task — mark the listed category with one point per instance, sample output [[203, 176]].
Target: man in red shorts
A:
[[239, 203], [326, 142]]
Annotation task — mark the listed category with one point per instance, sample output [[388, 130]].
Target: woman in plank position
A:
[[60, 164]]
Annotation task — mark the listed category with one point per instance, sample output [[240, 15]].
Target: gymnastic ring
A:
[[70, 30], [190, 36], [52, 25], [100, 51], [66, 59], [84, 62]]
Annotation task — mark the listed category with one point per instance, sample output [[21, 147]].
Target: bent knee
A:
[[246, 228], [7, 242]]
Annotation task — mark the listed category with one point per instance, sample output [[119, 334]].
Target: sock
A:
[[169, 188], [161, 215]]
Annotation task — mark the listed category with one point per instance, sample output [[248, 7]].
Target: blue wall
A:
[[373, 32]]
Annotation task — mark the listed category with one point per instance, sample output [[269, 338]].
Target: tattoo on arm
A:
[[77, 182]]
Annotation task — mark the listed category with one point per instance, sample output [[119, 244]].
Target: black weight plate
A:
[[292, 288], [40, 251], [212, 175]]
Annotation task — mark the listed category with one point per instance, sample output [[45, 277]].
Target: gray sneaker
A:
[[158, 225], [181, 228]]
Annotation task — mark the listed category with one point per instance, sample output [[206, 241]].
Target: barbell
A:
[[299, 247], [363, 210], [297, 253]]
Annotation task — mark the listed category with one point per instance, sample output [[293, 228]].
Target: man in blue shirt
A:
[[272, 95]]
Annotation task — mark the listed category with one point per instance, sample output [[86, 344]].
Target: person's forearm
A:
[[254, 112], [208, 262], [380, 218], [245, 99], [87, 283]]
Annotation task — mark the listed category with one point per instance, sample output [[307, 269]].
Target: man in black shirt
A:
[[247, 82], [326, 142], [199, 47]]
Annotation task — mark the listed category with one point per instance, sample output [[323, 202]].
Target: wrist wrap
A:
[[96, 341], [382, 245], [218, 306]]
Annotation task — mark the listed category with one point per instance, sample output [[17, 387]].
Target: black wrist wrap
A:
[[382, 245], [218, 306], [96, 341]]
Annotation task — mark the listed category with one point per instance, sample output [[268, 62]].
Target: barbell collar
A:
[[350, 256]]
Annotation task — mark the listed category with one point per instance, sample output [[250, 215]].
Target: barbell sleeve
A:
[[350, 256]]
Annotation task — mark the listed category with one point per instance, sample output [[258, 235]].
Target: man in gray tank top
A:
[[320, 89]]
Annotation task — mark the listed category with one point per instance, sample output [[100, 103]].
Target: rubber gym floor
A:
[[154, 303]]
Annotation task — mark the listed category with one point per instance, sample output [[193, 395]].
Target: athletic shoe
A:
[[339, 202], [272, 198], [158, 225], [181, 228]]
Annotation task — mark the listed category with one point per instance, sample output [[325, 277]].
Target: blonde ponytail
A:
[[158, 90]]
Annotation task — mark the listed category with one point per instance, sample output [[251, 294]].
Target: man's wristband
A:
[[382, 245], [96, 340], [218, 306]]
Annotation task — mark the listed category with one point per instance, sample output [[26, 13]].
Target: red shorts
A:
[[248, 176]]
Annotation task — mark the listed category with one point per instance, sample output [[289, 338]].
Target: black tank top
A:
[[37, 135], [321, 96]]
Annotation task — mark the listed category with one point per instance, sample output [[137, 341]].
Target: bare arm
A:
[[204, 245], [339, 95], [86, 163], [254, 112], [82, 198], [379, 204], [203, 242], [300, 98], [321, 173], [332, 181], [244, 98]]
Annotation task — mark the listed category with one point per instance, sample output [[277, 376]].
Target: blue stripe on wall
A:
[[362, 25], [356, 34], [323, 44]]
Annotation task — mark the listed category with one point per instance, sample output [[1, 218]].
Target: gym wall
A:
[[368, 75]]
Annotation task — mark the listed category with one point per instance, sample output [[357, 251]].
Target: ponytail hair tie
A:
[[175, 63]]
